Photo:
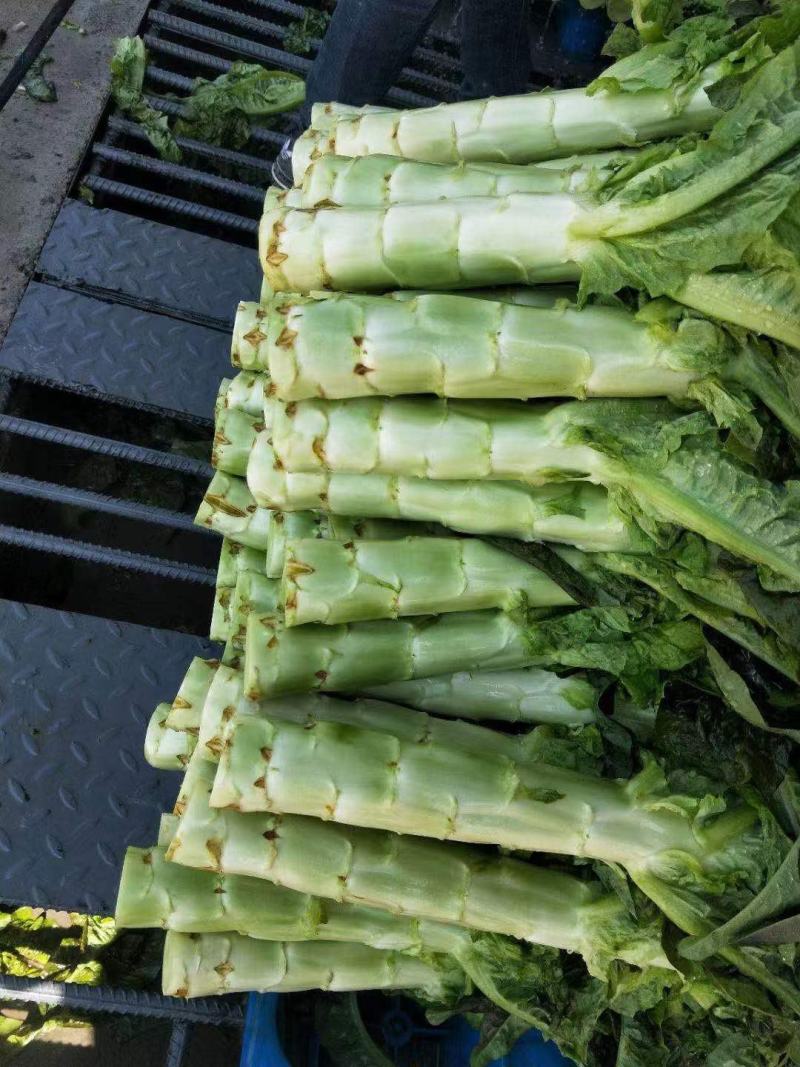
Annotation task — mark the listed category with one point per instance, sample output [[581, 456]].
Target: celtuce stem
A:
[[385, 179], [226, 699], [353, 657], [294, 525], [188, 704], [347, 345], [446, 244], [374, 779], [655, 455], [414, 877], [199, 965], [334, 581], [578, 513], [156, 893], [166, 749], [531, 695], [230, 509], [519, 129], [234, 560]]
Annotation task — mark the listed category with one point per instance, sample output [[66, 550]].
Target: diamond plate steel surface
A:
[[76, 693], [112, 349], [155, 265]]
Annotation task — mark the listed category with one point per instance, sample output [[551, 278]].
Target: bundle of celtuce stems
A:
[[543, 545]]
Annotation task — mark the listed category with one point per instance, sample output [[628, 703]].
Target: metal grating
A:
[[219, 192]]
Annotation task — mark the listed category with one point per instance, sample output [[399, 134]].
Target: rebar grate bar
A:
[[265, 54], [119, 558], [238, 45], [89, 499], [57, 435], [109, 187], [176, 171], [216, 1011], [431, 82]]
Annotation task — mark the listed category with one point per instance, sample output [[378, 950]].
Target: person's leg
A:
[[366, 46], [495, 48]]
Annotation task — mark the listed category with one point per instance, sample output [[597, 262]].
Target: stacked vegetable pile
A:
[[569, 510]]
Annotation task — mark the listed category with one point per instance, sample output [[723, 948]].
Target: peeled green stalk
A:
[[531, 695], [335, 581], [569, 701], [167, 828], [184, 713], [345, 345], [361, 777], [286, 525], [166, 749], [475, 241], [311, 144], [234, 436], [669, 465], [415, 877], [407, 875], [357, 656], [156, 893], [521, 238], [325, 114], [294, 525], [200, 965], [245, 392], [221, 610], [234, 559], [520, 129], [370, 778], [385, 179], [350, 345], [686, 214], [577, 513], [253, 592], [226, 701], [229, 508], [249, 331], [253, 320]]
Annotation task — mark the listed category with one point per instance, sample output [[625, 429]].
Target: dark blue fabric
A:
[[495, 47], [368, 43]]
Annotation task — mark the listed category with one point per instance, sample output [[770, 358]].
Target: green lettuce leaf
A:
[[127, 80], [219, 111], [678, 63], [667, 469], [737, 695], [779, 895]]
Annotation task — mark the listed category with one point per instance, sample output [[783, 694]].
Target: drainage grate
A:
[[217, 191], [191, 38]]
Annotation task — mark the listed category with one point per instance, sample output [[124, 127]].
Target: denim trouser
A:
[[368, 42]]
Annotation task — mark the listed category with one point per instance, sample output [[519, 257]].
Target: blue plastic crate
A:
[[261, 1045]]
